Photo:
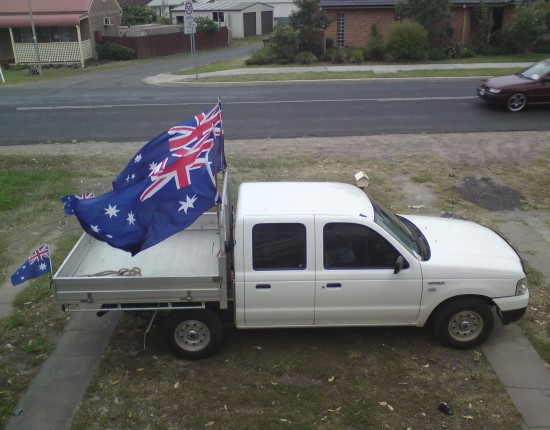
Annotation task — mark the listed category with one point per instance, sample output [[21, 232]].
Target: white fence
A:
[[54, 52]]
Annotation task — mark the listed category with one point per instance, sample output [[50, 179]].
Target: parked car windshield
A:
[[398, 229], [536, 71]]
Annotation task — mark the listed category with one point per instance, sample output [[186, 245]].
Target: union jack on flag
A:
[[164, 188], [36, 265], [85, 196]]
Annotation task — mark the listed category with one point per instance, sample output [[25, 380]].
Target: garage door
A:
[[267, 21], [249, 20]]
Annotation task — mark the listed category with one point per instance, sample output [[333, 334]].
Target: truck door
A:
[[279, 271], [356, 283]]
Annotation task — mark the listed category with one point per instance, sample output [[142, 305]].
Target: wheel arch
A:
[[487, 300]]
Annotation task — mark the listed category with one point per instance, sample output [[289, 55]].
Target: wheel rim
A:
[[192, 335], [465, 326], [517, 102]]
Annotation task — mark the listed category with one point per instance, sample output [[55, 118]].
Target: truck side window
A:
[[355, 246], [279, 246]]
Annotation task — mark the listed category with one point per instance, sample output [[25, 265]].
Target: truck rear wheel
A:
[[194, 334], [463, 323]]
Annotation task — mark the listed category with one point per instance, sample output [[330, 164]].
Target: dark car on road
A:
[[530, 86]]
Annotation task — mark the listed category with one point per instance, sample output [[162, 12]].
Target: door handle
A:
[[336, 285], [263, 287]]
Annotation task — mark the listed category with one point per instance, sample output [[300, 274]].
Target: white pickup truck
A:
[[302, 254]]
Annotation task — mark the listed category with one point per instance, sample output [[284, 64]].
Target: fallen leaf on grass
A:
[[177, 384], [141, 369], [331, 379], [209, 423], [258, 347], [467, 417], [390, 407]]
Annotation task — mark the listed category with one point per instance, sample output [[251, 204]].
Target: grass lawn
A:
[[326, 379]]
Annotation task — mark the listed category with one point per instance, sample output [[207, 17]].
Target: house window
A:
[[340, 30], [46, 35], [23, 35], [218, 17]]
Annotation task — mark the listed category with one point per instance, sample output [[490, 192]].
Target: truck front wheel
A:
[[194, 334], [463, 323]]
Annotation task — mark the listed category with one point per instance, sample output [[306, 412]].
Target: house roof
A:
[[170, 3], [15, 13], [361, 4], [222, 6]]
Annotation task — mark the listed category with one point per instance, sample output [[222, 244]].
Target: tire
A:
[[194, 334], [463, 323], [516, 102]]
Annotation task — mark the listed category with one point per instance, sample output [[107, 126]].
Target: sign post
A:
[[190, 28]]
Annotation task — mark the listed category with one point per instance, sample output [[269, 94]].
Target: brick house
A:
[[352, 19], [66, 30]]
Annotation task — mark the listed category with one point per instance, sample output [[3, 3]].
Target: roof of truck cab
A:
[[302, 198]]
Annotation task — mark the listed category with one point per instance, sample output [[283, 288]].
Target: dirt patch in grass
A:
[[488, 194]]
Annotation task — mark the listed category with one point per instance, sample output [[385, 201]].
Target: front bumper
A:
[[484, 94], [511, 309]]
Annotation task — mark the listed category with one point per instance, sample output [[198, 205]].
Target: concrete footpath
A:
[[171, 79]]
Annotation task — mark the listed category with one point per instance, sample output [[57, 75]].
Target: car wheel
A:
[[194, 334], [516, 102], [463, 323]]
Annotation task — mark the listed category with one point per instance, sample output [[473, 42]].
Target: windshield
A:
[[536, 71], [394, 226]]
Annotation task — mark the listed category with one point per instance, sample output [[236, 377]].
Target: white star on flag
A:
[[131, 218], [111, 211], [187, 204], [138, 158]]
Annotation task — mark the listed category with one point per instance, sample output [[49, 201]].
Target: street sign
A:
[[188, 19], [189, 26]]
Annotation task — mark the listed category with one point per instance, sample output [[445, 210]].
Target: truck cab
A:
[[325, 254]]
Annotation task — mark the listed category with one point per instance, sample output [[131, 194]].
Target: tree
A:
[[138, 15], [483, 25], [431, 14], [309, 21], [528, 24]]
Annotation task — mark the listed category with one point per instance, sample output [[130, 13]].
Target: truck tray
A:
[[187, 267]]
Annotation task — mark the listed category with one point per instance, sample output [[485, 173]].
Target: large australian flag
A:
[[164, 188]]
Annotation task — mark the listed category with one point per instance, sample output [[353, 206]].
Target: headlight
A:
[[521, 287], [494, 90]]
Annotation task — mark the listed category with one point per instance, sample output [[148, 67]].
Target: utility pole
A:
[[34, 38]]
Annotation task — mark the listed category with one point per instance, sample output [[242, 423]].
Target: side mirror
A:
[[398, 265]]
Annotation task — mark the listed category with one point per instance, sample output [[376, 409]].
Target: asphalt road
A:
[[117, 106]]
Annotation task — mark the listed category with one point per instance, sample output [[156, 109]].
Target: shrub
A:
[[354, 55], [452, 49], [284, 42], [407, 41], [305, 58], [114, 51], [206, 24], [542, 46], [261, 57], [375, 50], [436, 54], [329, 43], [337, 55]]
